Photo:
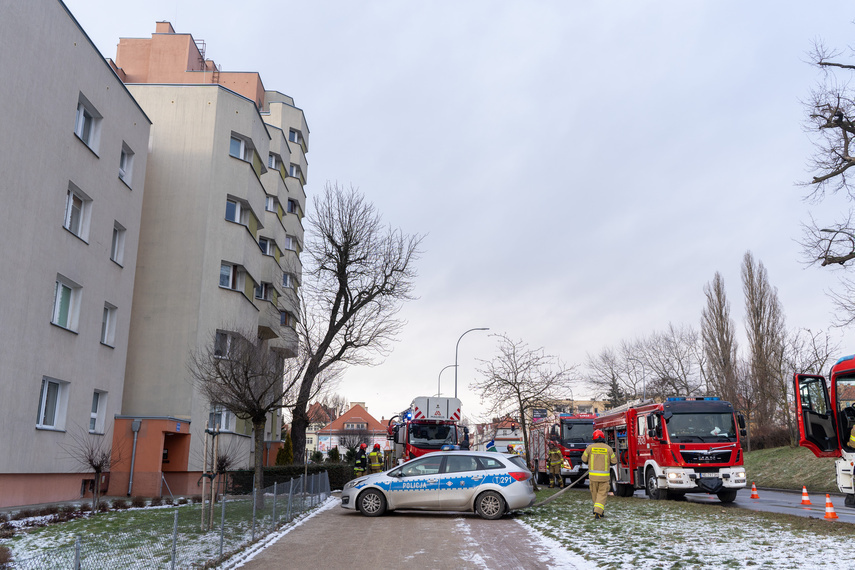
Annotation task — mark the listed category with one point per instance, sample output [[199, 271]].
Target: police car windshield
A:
[[709, 426], [577, 432], [432, 436]]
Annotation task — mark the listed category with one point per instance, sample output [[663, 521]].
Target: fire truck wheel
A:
[[490, 505], [371, 503], [727, 496], [653, 491]]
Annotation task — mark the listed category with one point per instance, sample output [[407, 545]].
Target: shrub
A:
[[285, 455], [168, 501], [182, 501], [196, 499], [7, 530], [138, 502], [104, 506], [23, 514], [84, 507], [5, 556], [120, 504], [156, 501], [47, 511], [316, 456], [334, 456], [339, 474], [768, 437], [3, 517]]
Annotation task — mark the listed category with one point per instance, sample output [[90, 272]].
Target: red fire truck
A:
[[825, 423], [428, 425], [572, 433], [682, 445]]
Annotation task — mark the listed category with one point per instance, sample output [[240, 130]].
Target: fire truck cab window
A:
[[578, 432], [710, 426], [425, 466], [433, 436], [846, 407]]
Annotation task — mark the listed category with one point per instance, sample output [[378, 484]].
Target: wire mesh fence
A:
[[197, 535]]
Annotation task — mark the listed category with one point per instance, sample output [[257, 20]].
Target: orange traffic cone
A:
[[805, 498], [754, 494], [829, 508]]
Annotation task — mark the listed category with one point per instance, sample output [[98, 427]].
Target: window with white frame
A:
[[264, 291], [292, 206], [66, 304], [97, 413], [53, 400], [223, 344], [221, 418], [295, 136], [270, 204], [126, 164], [295, 171], [355, 426], [241, 148], [291, 243], [108, 325], [117, 247], [231, 276], [266, 245], [87, 123], [286, 319], [237, 212], [287, 281], [77, 210], [273, 161]]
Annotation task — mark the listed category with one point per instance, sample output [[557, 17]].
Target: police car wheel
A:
[[371, 503], [490, 505]]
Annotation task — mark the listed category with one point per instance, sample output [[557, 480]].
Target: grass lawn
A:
[[791, 468], [639, 533]]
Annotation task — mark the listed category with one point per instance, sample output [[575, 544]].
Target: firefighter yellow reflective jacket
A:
[[599, 457], [555, 457]]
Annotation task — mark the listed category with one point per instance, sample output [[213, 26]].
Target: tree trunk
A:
[[299, 418], [96, 492], [258, 478], [525, 443]]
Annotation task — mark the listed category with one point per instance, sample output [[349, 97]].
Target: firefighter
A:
[[555, 460], [599, 456], [361, 461], [375, 459]]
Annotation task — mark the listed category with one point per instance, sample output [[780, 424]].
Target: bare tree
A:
[[519, 379], [242, 373], [335, 404], [766, 336], [675, 360], [352, 439], [357, 275], [718, 337], [92, 452], [606, 374]]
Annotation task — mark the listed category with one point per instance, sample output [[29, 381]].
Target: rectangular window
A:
[[295, 171], [290, 243], [266, 246], [264, 291], [117, 248], [222, 344], [52, 401], [286, 319], [292, 206], [108, 325], [295, 136], [126, 164], [96, 415], [237, 148], [273, 161], [270, 204], [66, 305], [77, 207], [87, 123], [287, 281], [231, 276], [237, 212], [222, 419]]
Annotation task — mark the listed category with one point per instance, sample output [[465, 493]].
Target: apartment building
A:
[[72, 164], [219, 255]]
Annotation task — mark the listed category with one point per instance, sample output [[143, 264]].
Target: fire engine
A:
[[682, 445], [572, 433], [825, 423], [428, 425]]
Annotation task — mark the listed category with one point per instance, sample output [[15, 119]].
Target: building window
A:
[[238, 148], [87, 124], [108, 325], [126, 164], [292, 206], [237, 212], [52, 402], [355, 426], [117, 248], [66, 305], [295, 136], [77, 208], [264, 291], [231, 276], [223, 344], [270, 204], [266, 245], [273, 161], [291, 243], [286, 319], [287, 281], [222, 419], [296, 172], [96, 415]]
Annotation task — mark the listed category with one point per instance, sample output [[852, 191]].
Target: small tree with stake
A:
[[93, 451]]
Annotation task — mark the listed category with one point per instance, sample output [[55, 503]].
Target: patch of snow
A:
[[556, 556], [470, 555]]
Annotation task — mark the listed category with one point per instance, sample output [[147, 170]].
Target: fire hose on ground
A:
[[551, 498]]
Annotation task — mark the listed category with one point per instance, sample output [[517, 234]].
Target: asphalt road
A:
[[783, 502], [342, 538]]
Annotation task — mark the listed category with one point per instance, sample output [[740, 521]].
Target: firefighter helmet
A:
[[598, 434], [552, 443], [363, 446], [376, 447]]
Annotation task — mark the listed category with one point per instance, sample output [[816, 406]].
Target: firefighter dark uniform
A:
[[554, 461], [599, 457], [375, 459], [361, 462]]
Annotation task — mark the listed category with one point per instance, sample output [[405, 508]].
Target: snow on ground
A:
[[559, 557], [242, 558], [470, 553]]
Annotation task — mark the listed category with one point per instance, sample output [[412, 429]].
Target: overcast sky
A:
[[580, 169]]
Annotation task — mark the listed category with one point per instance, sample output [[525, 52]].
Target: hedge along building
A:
[[219, 251], [73, 162]]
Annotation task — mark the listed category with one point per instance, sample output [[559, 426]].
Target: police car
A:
[[488, 483]]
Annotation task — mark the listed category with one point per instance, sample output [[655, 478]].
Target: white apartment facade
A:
[[72, 169]]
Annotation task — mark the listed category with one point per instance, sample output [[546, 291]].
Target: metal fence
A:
[[187, 536]]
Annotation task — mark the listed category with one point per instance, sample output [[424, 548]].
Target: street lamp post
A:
[[455, 354], [440, 376]]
